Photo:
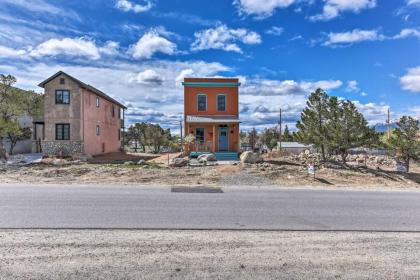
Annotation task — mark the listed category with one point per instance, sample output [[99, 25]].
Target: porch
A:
[[213, 135]]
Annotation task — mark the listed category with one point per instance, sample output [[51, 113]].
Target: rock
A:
[[250, 157], [81, 157], [142, 162], [129, 162], [59, 162], [179, 162], [206, 158]]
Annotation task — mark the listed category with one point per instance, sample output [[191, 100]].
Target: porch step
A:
[[220, 156], [227, 156]]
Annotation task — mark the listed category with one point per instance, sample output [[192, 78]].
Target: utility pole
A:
[[388, 122], [180, 129], [280, 130]]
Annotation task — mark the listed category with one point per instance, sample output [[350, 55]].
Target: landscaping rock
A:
[[142, 162], [250, 157], [129, 162], [178, 162], [206, 157]]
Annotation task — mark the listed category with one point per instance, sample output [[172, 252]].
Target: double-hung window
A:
[[97, 102], [199, 135], [201, 102], [221, 102], [62, 131], [62, 97], [98, 130]]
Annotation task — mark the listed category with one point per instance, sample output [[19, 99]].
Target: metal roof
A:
[[83, 85], [213, 119], [294, 145]]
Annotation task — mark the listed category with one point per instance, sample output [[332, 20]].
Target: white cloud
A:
[[78, 47], [128, 6], [408, 32], [261, 8], [411, 80], [11, 53], [333, 8], [358, 35], [223, 38], [352, 86], [148, 77], [184, 74], [110, 48], [275, 30], [265, 87], [151, 43], [413, 3], [354, 36]]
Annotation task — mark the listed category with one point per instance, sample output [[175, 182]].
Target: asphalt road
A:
[[234, 208]]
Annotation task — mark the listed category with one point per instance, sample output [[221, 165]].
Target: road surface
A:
[[232, 208]]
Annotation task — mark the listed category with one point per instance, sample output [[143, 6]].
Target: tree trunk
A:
[[3, 154], [323, 153], [344, 156], [12, 146], [407, 164]]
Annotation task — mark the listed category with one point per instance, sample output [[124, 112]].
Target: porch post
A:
[[214, 138]]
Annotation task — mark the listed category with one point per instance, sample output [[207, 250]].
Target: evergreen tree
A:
[[270, 137], [287, 137], [404, 140], [349, 129], [312, 126]]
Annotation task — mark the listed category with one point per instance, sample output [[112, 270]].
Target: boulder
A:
[[142, 162], [179, 162], [250, 157], [129, 162], [206, 158], [59, 162]]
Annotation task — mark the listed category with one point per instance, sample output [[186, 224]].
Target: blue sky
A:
[[138, 51]]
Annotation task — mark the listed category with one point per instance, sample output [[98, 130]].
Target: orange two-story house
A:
[[211, 112]]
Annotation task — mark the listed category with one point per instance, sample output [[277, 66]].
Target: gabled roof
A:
[[83, 85]]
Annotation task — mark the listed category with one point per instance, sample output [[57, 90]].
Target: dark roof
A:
[[83, 85]]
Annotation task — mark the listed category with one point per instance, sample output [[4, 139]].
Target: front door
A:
[[223, 139]]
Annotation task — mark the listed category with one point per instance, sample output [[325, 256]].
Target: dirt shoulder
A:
[[273, 172], [118, 254]]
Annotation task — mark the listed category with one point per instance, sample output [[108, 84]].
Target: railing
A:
[[199, 146]]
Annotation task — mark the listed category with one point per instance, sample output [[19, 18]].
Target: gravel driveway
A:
[[119, 254]]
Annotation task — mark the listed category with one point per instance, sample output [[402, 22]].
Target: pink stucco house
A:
[[77, 119]]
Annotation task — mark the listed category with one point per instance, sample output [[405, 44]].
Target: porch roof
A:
[[213, 119]]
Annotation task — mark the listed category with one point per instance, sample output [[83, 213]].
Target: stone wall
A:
[[67, 148]]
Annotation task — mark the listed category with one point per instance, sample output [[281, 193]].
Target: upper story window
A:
[[119, 112], [62, 131], [98, 130], [97, 102], [62, 81], [62, 97], [113, 111], [221, 102], [201, 102]]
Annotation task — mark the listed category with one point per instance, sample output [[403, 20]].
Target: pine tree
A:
[[348, 128], [404, 140], [312, 126], [287, 137]]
